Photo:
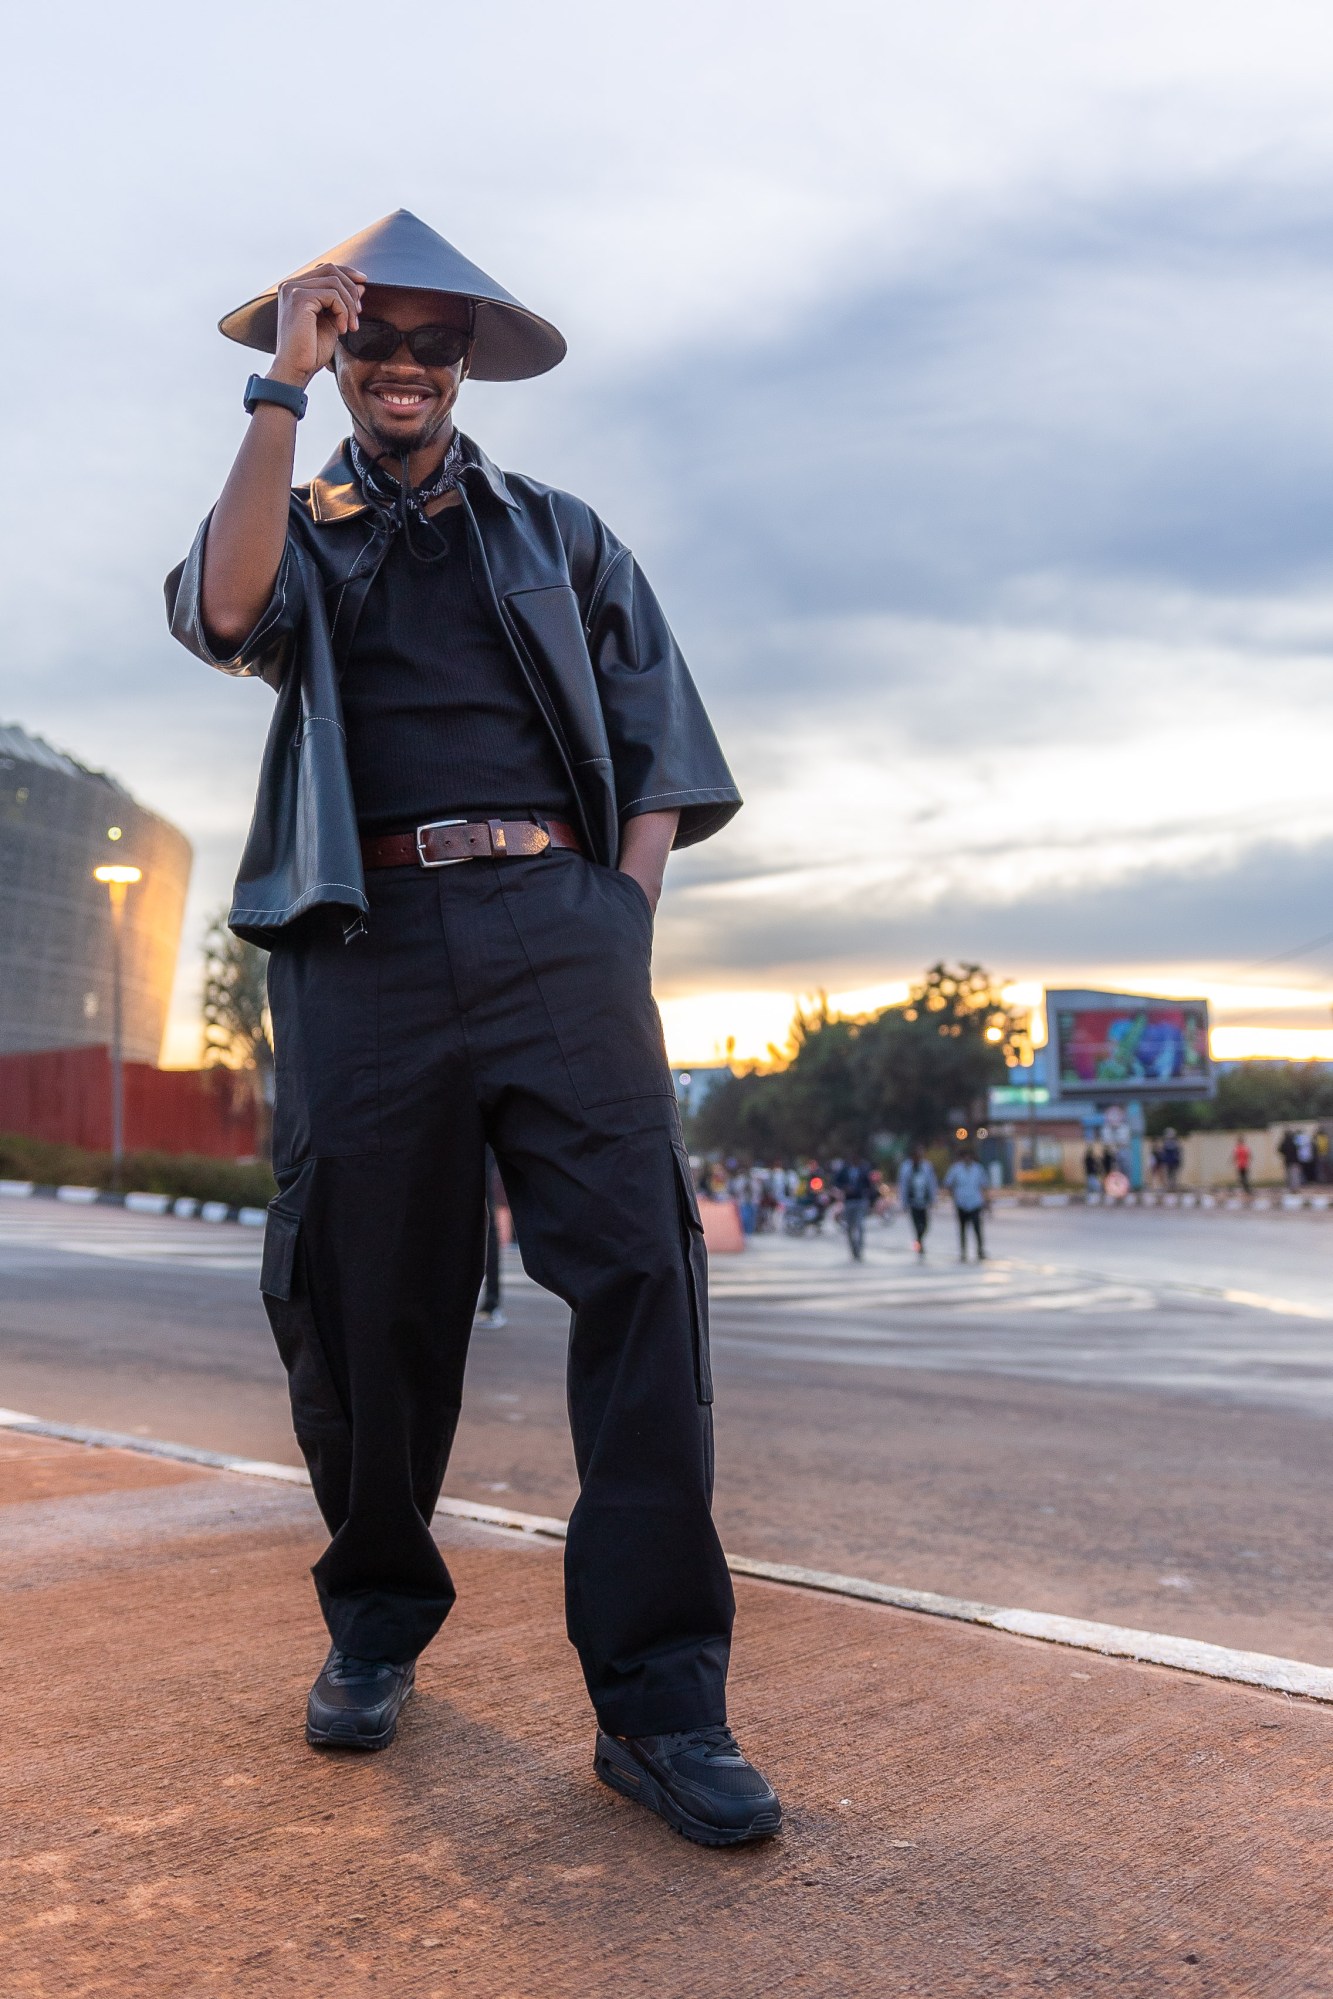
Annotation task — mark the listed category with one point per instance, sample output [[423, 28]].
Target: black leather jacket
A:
[[585, 629]]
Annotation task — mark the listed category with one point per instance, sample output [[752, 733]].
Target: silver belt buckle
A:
[[429, 827]]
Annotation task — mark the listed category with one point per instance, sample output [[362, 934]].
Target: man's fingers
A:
[[349, 282], [324, 289], [324, 292], [336, 270], [338, 300]]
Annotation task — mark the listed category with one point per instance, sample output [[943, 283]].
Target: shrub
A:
[[177, 1174]]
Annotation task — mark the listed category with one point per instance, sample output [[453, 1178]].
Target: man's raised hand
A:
[[313, 309]]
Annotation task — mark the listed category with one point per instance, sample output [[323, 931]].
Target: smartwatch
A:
[[285, 394]]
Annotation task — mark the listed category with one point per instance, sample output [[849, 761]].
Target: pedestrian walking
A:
[[1092, 1172], [1241, 1159], [917, 1191], [1290, 1154], [966, 1182], [855, 1182], [484, 744], [1172, 1156]]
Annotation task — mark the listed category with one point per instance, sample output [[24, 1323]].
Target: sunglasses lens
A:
[[437, 346], [372, 340]]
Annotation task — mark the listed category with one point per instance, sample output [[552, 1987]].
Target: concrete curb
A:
[[1272, 1200], [185, 1208], [1152, 1648]]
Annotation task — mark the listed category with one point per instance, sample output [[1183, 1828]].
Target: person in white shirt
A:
[[966, 1181]]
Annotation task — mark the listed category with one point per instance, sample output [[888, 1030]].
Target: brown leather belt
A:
[[444, 842]]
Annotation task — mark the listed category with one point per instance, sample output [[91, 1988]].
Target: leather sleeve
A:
[[663, 749], [265, 652]]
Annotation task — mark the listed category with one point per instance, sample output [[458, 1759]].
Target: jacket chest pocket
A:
[[549, 627]]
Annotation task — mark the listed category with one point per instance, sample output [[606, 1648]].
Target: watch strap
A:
[[285, 394]]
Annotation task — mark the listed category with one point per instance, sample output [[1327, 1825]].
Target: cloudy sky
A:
[[959, 376]]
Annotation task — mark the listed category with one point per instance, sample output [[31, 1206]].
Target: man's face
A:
[[398, 405]]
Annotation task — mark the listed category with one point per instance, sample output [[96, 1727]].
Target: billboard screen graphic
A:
[[1106, 1045]]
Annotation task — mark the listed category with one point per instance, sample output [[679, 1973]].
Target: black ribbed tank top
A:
[[440, 722]]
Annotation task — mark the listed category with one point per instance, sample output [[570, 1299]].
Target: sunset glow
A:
[[746, 1026]]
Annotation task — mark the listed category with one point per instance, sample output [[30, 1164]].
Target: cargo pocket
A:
[[318, 1416], [280, 1237], [696, 1272]]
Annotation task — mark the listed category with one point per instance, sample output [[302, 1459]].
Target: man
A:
[[1173, 1157], [1241, 1157], [485, 744], [917, 1189], [855, 1182], [1290, 1153], [1305, 1159], [967, 1183]]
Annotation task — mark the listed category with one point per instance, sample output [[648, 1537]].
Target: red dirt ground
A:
[[968, 1814]]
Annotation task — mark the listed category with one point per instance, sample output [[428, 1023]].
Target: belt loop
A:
[[497, 836]]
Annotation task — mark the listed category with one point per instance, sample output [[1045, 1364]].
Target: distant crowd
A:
[[799, 1199], [1307, 1161], [1307, 1157]]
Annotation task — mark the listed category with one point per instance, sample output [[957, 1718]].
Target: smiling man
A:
[[484, 746]]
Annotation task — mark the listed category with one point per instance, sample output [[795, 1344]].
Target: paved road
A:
[[1123, 1415]]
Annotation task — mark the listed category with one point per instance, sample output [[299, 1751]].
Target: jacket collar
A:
[[335, 493]]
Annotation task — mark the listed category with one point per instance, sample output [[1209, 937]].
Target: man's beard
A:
[[398, 446]]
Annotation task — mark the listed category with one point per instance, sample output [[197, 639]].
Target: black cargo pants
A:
[[506, 1002]]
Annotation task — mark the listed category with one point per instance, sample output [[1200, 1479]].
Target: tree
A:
[[912, 1071], [1251, 1095], [928, 1065], [237, 1030]]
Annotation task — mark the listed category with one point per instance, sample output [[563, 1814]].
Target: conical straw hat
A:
[[511, 342]]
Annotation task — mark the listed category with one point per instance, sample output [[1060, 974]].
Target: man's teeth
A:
[[404, 401]]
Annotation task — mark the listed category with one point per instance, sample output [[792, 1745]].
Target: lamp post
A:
[[118, 881]]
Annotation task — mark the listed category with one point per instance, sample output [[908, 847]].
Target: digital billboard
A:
[[1109, 1045]]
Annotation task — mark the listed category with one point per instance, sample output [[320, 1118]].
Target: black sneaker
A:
[[355, 1703], [698, 1781]]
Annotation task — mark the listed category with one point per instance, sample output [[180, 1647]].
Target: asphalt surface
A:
[[1124, 1415]]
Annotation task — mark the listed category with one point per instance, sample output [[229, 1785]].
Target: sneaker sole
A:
[[622, 1773], [334, 1738]]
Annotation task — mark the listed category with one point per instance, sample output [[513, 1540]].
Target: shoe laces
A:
[[343, 1667], [718, 1744]]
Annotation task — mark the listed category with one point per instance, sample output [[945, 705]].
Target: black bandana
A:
[[392, 496]]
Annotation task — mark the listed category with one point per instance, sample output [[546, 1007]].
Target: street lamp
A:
[[118, 880]]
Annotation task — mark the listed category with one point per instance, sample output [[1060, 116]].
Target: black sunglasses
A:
[[430, 346]]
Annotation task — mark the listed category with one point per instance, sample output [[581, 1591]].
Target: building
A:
[[59, 821]]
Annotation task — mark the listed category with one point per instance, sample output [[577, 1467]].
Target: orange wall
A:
[[63, 1095]]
